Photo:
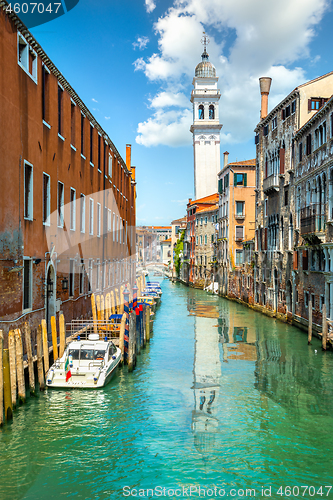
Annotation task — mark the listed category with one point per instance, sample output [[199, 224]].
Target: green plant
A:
[[179, 247]]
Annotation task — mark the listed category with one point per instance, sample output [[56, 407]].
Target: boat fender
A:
[[50, 376], [70, 359], [114, 357], [96, 375]]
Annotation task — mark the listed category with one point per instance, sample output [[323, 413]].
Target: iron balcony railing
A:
[[313, 218], [271, 183]]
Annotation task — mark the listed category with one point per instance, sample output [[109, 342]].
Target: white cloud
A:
[[141, 42], [94, 100], [267, 41], [150, 5], [107, 117]]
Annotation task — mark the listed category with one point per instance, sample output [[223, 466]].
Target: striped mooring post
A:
[[135, 297], [126, 335], [141, 325]]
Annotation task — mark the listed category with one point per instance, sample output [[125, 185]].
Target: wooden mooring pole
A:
[[148, 323], [93, 309], [324, 334], [7, 392], [45, 347], [12, 365], [27, 337], [1, 377], [62, 335], [54, 338], [132, 342], [310, 323], [19, 366], [40, 359]]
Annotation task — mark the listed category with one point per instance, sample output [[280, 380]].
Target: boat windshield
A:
[[86, 353]]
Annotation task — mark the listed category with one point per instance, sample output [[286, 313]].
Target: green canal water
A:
[[222, 397]]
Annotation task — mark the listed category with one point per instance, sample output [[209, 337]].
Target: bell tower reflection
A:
[[207, 373]]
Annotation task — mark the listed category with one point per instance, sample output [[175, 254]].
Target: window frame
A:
[[46, 220], [30, 292], [72, 209], [28, 208]]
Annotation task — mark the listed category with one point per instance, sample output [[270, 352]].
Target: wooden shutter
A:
[[295, 260], [309, 104], [239, 232], [282, 160], [266, 167], [305, 260]]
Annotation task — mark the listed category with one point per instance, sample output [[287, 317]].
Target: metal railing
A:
[[313, 218]]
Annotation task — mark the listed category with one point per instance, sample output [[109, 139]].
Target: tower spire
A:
[[205, 41]]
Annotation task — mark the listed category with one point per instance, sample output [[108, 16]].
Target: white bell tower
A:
[[206, 126]]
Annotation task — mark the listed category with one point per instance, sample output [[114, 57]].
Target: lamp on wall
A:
[[65, 284]]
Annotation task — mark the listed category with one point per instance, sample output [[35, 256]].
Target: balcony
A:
[[271, 184], [313, 219]]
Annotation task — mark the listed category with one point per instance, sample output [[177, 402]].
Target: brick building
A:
[[67, 223], [277, 233], [205, 240]]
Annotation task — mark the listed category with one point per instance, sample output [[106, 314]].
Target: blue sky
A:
[[132, 62]]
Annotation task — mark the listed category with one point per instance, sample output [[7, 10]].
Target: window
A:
[[82, 272], [201, 221], [98, 219], [240, 208], [313, 300], [45, 93], [211, 112], [288, 111], [27, 283], [109, 220], [300, 150], [60, 104], [82, 213], [110, 165], [91, 144], [117, 223], [206, 220], [114, 226], [82, 135], [283, 114], [239, 257], [313, 104], [72, 208], [201, 239], [197, 240], [28, 191], [306, 299], [239, 233], [321, 302], [293, 107], [91, 216], [73, 106], [60, 204], [90, 264], [46, 199], [265, 130], [286, 196], [308, 144], [201, 112], [27, 57], [98, 270], [274, 122], [266, 207], [240, 180], [205, 239], [99, 153], [71, 277]]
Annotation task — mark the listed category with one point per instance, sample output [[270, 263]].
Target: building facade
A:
[[68, 206], [236, 220], [205, 241], [277, 234]]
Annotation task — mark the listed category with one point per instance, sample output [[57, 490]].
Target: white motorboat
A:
[[85, 364]]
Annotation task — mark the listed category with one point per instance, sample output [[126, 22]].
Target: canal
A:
[[222, 397]]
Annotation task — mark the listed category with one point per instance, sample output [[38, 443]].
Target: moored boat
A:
[[85, 364]]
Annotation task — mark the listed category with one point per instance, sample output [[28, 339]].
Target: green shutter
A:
[[227, 180], [245, 179], [235, 179]]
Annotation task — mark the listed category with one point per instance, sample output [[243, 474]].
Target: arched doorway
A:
[[50, 295], [289, 296]]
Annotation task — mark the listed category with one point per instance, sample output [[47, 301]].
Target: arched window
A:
[[201, 112], [211, 112]]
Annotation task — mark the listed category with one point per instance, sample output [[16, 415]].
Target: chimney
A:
[[133, 173], [226, 156], [128, 156], [265, 85]]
